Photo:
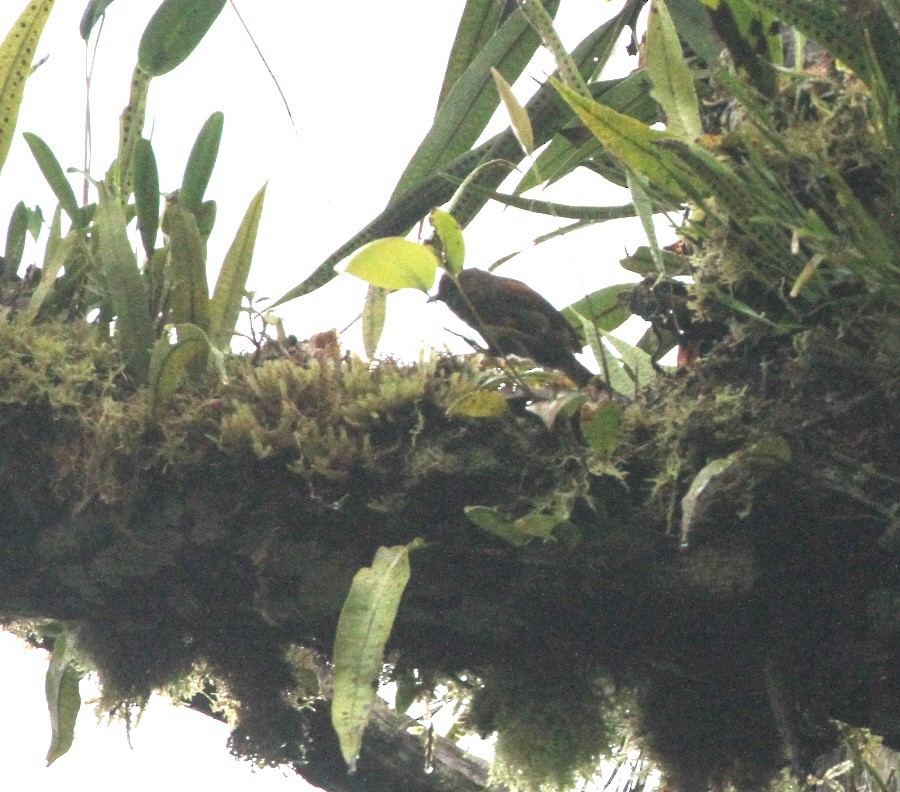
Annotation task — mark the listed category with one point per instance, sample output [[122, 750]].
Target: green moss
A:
[[550, 732]]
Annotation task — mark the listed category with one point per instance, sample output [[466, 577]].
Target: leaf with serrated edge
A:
[[363, 629]]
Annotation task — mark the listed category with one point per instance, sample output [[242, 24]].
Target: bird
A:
[[514, 320]]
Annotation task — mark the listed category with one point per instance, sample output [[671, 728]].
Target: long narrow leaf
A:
[[472, 101], [53, 263], [364, 626], [225, 306], [573, 147], [187, 267], [134, 331], [634, 144], [16, 234], [673, 84], [568, 72], [55, 177], [16, 54], [479, 21], [201, 162], [63, 698], [373, 316], [146, 194]]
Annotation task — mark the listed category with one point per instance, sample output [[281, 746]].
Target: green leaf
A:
[[519, 532], [480, 404], [134, 330], [731, 477], [395, 263], [611, 369], [55, 177], [691, 502], [187, 267], [747, 31], [642, 263], [603, 427], [603, 308], [363, 629], [551, 410], [92, 15], [146, 194], [568, 72], [55, 259], [644, 208], [571, 146], [636, 146], [518, 115], [15, 240], [63, 698], [471, 102], [225, 306], [638, 363], [174, 31], [692, 23], [537, 525], [673, 84], [450, 237], [16, 53], [493, 522], [373, 317], [479, 21], [169, 362], [201, 162]]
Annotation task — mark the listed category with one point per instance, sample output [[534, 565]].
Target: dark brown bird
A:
[[515, 320]]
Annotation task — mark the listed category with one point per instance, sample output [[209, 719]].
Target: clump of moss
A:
[[550, 731], [326, 418]]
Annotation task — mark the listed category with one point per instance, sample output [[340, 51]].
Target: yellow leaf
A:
[[395, 263], [479, 404], [16, 54]]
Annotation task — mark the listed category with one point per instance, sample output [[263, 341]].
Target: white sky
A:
[[361, 79]]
